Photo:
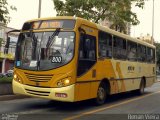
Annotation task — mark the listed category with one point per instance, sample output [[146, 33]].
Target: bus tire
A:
[[101, 94], [141, 88]]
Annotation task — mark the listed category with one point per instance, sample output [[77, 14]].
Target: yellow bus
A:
[[72, 59]]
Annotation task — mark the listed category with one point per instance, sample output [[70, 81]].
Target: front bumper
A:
[[48, 93]]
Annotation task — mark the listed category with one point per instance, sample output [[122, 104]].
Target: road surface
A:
[[118, 107]]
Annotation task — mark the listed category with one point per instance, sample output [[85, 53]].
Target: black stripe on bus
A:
[[37, 91], [88, 81], [131, 78], [113, 79], [37, 86], [37, 94]]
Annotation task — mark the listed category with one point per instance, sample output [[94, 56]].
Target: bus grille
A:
[[39, 78], [39, 93]]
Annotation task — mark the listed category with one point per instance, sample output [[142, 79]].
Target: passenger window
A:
[[150, 55], [142, 53], [87, 53], [132, 51], [119, 48], [87, 47], [105, 45]]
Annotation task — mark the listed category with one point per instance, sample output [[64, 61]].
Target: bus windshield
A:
[[44, 50]]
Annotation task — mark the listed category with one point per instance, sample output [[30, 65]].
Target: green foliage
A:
[[117, 11], [158, 52], [6, 80], [4, 12]]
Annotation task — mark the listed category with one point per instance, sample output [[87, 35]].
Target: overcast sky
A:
[[28, 9]]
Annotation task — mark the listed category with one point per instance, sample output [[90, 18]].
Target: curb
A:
[[12, 97]]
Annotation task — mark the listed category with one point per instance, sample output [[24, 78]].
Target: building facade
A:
[[108, 23], [147, 38], [7, 60]]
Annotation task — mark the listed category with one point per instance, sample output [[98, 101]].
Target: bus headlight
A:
[[16, 78], [64, 82]]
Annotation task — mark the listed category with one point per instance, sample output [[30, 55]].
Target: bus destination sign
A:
[[49, 24]]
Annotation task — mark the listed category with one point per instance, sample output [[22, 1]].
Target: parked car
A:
[[9, 73]]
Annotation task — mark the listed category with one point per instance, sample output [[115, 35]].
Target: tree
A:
[[4, 12], [117, 11]]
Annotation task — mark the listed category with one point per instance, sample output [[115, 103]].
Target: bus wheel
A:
[[101, 94], [141, 88]]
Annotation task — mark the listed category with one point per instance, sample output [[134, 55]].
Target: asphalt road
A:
[[117, 107]]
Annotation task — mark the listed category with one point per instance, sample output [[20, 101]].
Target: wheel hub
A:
[[101, 93]]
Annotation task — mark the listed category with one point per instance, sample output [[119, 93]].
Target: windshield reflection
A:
[[33, 53]]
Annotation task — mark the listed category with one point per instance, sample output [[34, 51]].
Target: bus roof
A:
[[52, 18], [99, 27]]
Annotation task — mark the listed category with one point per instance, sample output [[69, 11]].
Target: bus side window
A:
[[153, 57], [119, 48], [105, 45], [132, 51], [150, 55], [142, 54], [87, 53], [87, 47]]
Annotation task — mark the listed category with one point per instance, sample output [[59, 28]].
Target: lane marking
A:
[[30, 111], [108, 107]]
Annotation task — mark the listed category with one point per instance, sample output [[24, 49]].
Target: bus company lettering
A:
[[131, 68]]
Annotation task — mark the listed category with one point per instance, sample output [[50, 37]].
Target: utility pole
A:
[[39, 9], [153, 23]]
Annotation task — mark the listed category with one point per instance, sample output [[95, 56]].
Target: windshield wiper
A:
[[52, 37], [48, 45]]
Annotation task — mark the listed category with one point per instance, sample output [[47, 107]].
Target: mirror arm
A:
[[81, 30]]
